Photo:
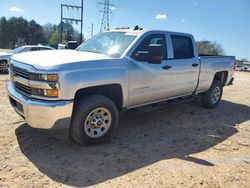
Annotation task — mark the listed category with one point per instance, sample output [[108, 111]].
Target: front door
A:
[[148, 82]]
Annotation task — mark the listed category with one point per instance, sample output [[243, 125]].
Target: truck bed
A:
[[210, 64]]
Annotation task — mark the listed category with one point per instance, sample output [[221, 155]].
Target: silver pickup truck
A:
[[85, 89]]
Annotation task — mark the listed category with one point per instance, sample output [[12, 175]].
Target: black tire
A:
[[208, 100], [82, 113], [4, 67]]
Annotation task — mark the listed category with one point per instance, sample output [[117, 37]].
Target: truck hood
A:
[[50, 59]]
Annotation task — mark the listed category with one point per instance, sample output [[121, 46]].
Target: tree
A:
[[210, 48], [36, 35], [77, 36], [17, 28], [3, 33], [244, 59], [55, 38], [18, 31], [48, 30]]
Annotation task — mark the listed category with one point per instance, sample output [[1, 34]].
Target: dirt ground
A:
[[180, 146], [4, 50]]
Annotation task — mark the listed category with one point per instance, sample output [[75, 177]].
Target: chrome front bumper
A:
[[39, 113]]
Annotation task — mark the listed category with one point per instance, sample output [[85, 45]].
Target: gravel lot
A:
[[184, 145]]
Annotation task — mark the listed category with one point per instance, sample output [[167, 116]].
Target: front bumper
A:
[[39, 113]]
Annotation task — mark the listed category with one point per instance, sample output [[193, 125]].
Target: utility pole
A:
[[66, 8], [106, 12], [81, 21], [92, 29]]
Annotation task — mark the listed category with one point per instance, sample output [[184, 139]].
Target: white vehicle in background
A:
[[239, 68], [242, 68], [5, 56]]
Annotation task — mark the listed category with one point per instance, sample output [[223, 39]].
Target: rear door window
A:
[[182, 47]]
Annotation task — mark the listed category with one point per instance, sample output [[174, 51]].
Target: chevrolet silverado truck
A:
[[85, 89]]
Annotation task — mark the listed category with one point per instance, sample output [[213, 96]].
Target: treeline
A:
[[18, 31], [210, 48]]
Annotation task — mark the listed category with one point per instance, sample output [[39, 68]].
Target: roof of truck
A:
[[39, 45], [141, 31]]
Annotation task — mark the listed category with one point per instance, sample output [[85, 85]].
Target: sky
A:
[[224, 21]]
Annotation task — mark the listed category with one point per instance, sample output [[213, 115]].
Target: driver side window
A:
[[152, 39]]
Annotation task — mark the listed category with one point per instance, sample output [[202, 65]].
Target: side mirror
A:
[[141, 55], [155, 53]]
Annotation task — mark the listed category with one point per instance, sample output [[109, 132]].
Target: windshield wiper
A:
[[91, 51]]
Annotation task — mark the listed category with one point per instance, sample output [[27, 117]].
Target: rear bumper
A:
[[39, 113]]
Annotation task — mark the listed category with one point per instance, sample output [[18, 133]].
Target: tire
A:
[[212, 97], [94, 120], [4, 67]]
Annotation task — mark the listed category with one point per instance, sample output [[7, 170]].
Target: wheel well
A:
[[3, 60], [222, 77], [111, 91]]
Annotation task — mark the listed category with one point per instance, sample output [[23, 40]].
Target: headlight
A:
[[45, 92], [39, 89], [44, 77]]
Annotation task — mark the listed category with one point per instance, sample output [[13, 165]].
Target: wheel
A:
[[4, 67], [94, 120], [212, 97]]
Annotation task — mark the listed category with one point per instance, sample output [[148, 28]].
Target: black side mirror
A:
[[141, 55], [155, 53]]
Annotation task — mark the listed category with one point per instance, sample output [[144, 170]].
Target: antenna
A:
[[106, 12]]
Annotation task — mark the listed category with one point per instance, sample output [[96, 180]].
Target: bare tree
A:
[[210, 48]]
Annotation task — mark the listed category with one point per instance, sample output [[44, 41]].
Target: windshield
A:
[[110, 43], [16, 50]]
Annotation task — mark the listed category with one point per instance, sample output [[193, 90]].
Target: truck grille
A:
[[19, 71], [25, 90]]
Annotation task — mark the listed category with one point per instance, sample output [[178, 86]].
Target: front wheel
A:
[[4, 67], [212, 97], [94, 119]]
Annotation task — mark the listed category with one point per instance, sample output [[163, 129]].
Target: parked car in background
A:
[[5, 56], [242, 68], [239, 68]]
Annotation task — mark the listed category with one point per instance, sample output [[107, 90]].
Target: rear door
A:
[[184, 65]]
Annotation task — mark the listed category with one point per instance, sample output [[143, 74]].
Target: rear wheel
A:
[[4, 67], [93, 121], [212, 97]]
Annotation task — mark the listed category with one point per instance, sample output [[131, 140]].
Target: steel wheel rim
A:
[[4, 66], [98, 122], [215, 95]]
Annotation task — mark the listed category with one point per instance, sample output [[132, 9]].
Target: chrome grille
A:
[[19, 71], [25, 90]]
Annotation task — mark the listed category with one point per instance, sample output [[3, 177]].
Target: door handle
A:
[[195, 65], [166, 67]]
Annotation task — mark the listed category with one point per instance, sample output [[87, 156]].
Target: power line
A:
[[68, 13], [106, 12]]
